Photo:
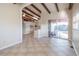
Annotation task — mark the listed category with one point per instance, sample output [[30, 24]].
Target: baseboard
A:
[[75, 49], [10, 45]]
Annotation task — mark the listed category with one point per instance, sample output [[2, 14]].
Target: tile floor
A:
[[39, 47]]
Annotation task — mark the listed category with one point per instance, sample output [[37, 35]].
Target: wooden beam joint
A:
[[26, 13], [36, 8], [45, 8], [57, 7], [70, 6], [32, 11]]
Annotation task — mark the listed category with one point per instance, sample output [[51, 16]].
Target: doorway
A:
[[58, 28]]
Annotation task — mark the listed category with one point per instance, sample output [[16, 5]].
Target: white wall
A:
[[75, 36], [43, 31], [10, 25]]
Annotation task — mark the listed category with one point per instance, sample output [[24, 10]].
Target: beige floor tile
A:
[[39, 47]]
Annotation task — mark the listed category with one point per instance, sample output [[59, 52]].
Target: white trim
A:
[[7, 46], [75, 49]]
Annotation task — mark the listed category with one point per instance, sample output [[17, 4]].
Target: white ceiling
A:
[[50, 6]]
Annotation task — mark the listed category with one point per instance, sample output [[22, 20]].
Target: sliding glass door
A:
[[59, 29]]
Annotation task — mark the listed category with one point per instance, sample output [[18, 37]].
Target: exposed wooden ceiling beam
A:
[[27, 16], [27, 13], [70, 6], [32, 11], [57, 7], [45, 8], [36, 8]]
